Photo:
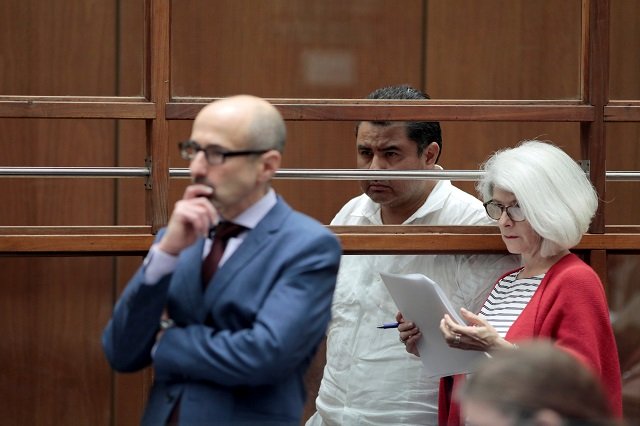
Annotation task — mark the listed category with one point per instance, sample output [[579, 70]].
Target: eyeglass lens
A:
[[495, 210], [189, 149]]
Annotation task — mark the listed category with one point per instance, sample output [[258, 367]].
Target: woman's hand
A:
[[479, 335], [409, 334]]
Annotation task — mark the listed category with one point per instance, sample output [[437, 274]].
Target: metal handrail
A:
[[311, 174], [357, 174], [70, 172]]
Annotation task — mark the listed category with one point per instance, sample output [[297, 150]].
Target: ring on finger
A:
[[456, 339]]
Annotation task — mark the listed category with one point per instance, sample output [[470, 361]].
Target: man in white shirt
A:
[[369, 379]]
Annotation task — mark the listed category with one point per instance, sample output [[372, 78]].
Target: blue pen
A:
[[389, 325]]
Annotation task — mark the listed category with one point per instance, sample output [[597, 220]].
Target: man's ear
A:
[[270, 163], [430, 153]]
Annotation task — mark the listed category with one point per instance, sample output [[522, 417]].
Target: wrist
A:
[[166, 248]]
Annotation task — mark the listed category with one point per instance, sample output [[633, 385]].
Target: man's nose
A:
[[377, 163], [199, 165]]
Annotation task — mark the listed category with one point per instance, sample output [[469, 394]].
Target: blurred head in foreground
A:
[[538, 384]]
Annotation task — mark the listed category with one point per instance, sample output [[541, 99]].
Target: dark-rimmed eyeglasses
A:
[[214, 155], [494, 211]]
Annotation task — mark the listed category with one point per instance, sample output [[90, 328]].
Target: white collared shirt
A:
[[369, 378]]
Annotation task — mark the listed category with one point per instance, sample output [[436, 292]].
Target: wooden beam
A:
[[622, 111], [157, 88], [81, 241], [74, 245], [74, 230], [351, 110], [595, 91], [76, 107], [303, 109]]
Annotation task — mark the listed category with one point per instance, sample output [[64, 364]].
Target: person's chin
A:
[[380, 197], [217, 203], [512, 246]]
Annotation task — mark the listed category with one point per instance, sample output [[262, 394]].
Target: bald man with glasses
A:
[[234, 296]]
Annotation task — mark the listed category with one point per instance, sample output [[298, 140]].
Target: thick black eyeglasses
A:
[[494, 211], [214, 155]]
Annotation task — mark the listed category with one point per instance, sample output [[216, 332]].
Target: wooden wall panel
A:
[[467, 145], [57, 307], [501, 49], [62, 143], [622, 203], [329, 145], [57, 48], [53, 309], [51, 312], [624, 72], [623, 139], [287, 48]]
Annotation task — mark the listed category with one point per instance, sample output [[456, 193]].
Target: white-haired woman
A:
[[543, 204]]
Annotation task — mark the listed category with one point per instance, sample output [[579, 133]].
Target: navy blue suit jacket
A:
[[240, 350]]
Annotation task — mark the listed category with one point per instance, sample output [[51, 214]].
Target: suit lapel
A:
[[250, 248]]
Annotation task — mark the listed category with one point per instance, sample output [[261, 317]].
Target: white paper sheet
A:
[[423, 302]]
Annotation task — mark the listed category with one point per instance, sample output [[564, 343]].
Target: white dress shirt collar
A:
[[256, 212]]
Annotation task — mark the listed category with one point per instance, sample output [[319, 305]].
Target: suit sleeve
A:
[[284, 335], [131, 333]]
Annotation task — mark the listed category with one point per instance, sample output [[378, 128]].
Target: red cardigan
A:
[[570, 308]]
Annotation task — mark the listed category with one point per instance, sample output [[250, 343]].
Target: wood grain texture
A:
[[58, 76], [455, 111], [158, 91], [51, 315], [108, 84], [622, 111], [89, 108], [595, 91], [354, 240]]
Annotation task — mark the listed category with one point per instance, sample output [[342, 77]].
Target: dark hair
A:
[[421, 132], [539, 376]]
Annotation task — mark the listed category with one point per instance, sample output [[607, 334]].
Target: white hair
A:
[[552, 190]]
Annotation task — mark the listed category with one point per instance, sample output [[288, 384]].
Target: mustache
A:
[[203, 181]]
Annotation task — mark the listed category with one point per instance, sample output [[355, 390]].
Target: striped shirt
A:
[[508, 299]]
